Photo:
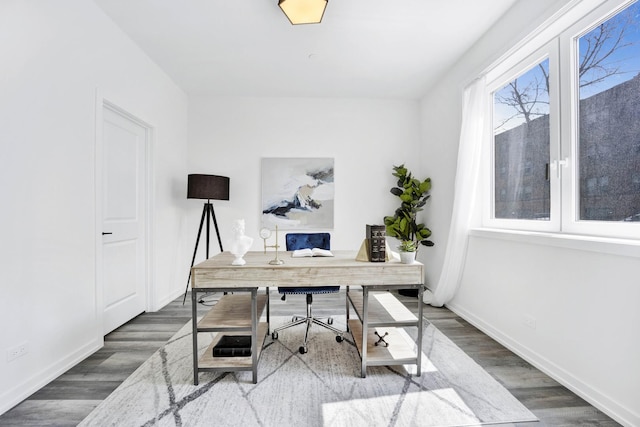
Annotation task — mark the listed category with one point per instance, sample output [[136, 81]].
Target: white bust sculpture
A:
[[240, 243]]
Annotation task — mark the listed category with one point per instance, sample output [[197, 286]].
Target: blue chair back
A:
[[308, 240]]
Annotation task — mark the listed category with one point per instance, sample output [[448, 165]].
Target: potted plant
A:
[[407, 251], [407, 246], [403, 225]]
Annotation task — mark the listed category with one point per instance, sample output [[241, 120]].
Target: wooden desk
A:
[[217, 274]]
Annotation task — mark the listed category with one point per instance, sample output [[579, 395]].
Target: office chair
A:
[[302, 241]]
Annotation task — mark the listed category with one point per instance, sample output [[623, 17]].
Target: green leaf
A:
[[396, 191], [425, 185], [423, 234], [403, 223]]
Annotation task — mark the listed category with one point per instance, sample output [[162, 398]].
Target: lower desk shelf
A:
[[232, 315], [381, 312], [232, 311], [400, 351], [207, 362]]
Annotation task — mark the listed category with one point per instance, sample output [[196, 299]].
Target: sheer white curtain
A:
[[474, 118]]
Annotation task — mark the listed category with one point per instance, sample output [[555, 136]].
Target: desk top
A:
[[341, 269]]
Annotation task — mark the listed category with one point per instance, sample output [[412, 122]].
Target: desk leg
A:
[[268, 313], [194, 339], [365, 328], [254, 334], [420, 323], [346, 298]]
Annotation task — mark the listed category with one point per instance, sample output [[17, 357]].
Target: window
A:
[[521, 141], [561, 160]]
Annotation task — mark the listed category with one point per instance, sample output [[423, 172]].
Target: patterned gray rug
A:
[[320, 388]]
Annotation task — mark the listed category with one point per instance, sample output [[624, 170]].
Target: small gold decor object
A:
[[265, 234]]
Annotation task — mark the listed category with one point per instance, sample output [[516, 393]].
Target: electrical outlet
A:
[[17, 351], [529, 321]]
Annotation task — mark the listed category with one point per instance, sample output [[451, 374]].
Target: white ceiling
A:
[[362, 48]]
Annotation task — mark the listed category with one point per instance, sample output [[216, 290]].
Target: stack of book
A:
[[233, 346], [376, 242]]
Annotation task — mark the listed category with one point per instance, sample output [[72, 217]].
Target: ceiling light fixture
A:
[[303, 11]]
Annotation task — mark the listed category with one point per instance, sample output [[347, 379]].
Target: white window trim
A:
[[607, 245]]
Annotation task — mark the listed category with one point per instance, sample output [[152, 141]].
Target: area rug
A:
[[320, 388]]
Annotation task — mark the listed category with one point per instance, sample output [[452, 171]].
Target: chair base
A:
[[309, 320]]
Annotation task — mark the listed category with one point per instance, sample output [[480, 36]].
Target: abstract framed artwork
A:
[[298, 193]]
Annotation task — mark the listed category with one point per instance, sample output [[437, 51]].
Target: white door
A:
[[123, 219]]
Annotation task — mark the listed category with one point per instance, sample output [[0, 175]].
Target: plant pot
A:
[[407, 257]]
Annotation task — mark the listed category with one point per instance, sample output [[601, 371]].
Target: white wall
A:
[[55, 57], [583, 297], [229, 136]]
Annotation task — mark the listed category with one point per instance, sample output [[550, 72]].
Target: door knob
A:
[[104, 232]]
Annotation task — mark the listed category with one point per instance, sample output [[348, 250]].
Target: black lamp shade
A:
[[208, 187]]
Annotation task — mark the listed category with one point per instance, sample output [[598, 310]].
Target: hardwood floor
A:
[[73, 395], [552, 403]]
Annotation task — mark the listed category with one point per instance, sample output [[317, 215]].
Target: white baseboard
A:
[[12, 397], [619, 413], [159, 304]]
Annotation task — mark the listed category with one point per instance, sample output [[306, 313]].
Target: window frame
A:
[[557, 41], [548, 51], [569, 57]]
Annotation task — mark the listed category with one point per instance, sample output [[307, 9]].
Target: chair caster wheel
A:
[[330, 320], [339, 338], [274, 335], [302, 349]]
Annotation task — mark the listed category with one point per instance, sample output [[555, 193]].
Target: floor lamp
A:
[[209, 187]]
